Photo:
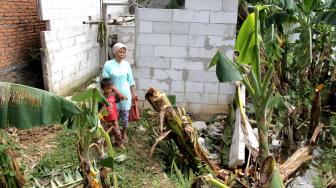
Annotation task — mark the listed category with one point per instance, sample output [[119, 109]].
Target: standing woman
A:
[[120, 72]]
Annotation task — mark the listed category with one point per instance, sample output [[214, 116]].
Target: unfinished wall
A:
[[19, 32], [126, 35], [174, 47], [71, 51]]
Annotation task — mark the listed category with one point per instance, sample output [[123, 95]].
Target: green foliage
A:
[[138, 170], [65, 153], [245, 43], [185, 179], [26, 107], [225, 69], [175, 4], [319, 182], [6, 168], [333, 126]]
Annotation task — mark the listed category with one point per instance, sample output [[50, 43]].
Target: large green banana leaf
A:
[[26, 107], [225, 69]]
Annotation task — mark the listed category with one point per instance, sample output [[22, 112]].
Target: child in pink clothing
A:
[[110, 122]]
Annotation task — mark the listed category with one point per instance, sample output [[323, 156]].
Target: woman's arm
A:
[[133, 91], [131, 82]]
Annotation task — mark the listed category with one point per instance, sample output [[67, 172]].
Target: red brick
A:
[[19, 31]]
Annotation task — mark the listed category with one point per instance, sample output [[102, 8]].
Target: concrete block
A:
[[161, 85], [227, 88], [66, 43], [54, 45], [163, 74], [220, 41], [141, 72], [201, 16], [222, 99], [179, 40], [201, 52], [145, 50], [180, 15], [195, 108], [210, 29], [124, 38], [141, 94], [223, 17], [209, 98], [177, 86], [125, 29], [143, 84], [196, 40], [202, 76], [80, 39], [203, 5], [48, 36], [176, 28], [214, 108], [180, 97], [154, 62], [211, 87], [194, 87], [161, 15], [184, 64], [145, 27], [193, 97], [154, 39], [230, 5], [170, 51]]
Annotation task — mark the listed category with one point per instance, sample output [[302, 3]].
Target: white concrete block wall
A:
[[70, 51], [126, 35], [174, 48]]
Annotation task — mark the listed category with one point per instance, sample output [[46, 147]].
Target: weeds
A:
[[138, 170], [64, 154]]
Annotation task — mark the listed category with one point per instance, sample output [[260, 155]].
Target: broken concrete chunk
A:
[[199, 125]]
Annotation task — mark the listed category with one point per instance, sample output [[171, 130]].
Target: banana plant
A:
[[89, 128], [248, 46]]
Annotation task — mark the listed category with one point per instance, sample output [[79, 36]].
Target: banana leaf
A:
[[26, 107], [88, 95], [328, 15], [225, 69], [245, 43]]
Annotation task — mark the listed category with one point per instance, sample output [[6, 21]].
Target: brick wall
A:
[[174, 47], [19, 31]]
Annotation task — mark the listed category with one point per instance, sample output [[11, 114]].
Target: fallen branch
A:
[[294, 162], [182, 132], [332, 184]]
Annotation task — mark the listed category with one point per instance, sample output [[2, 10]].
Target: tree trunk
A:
[[183, 134], [263, 138], [294, 162]]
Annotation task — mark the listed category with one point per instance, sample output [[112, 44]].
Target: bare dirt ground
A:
[[34, 143]]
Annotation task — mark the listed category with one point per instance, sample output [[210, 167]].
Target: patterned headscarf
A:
[[118, 46]]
